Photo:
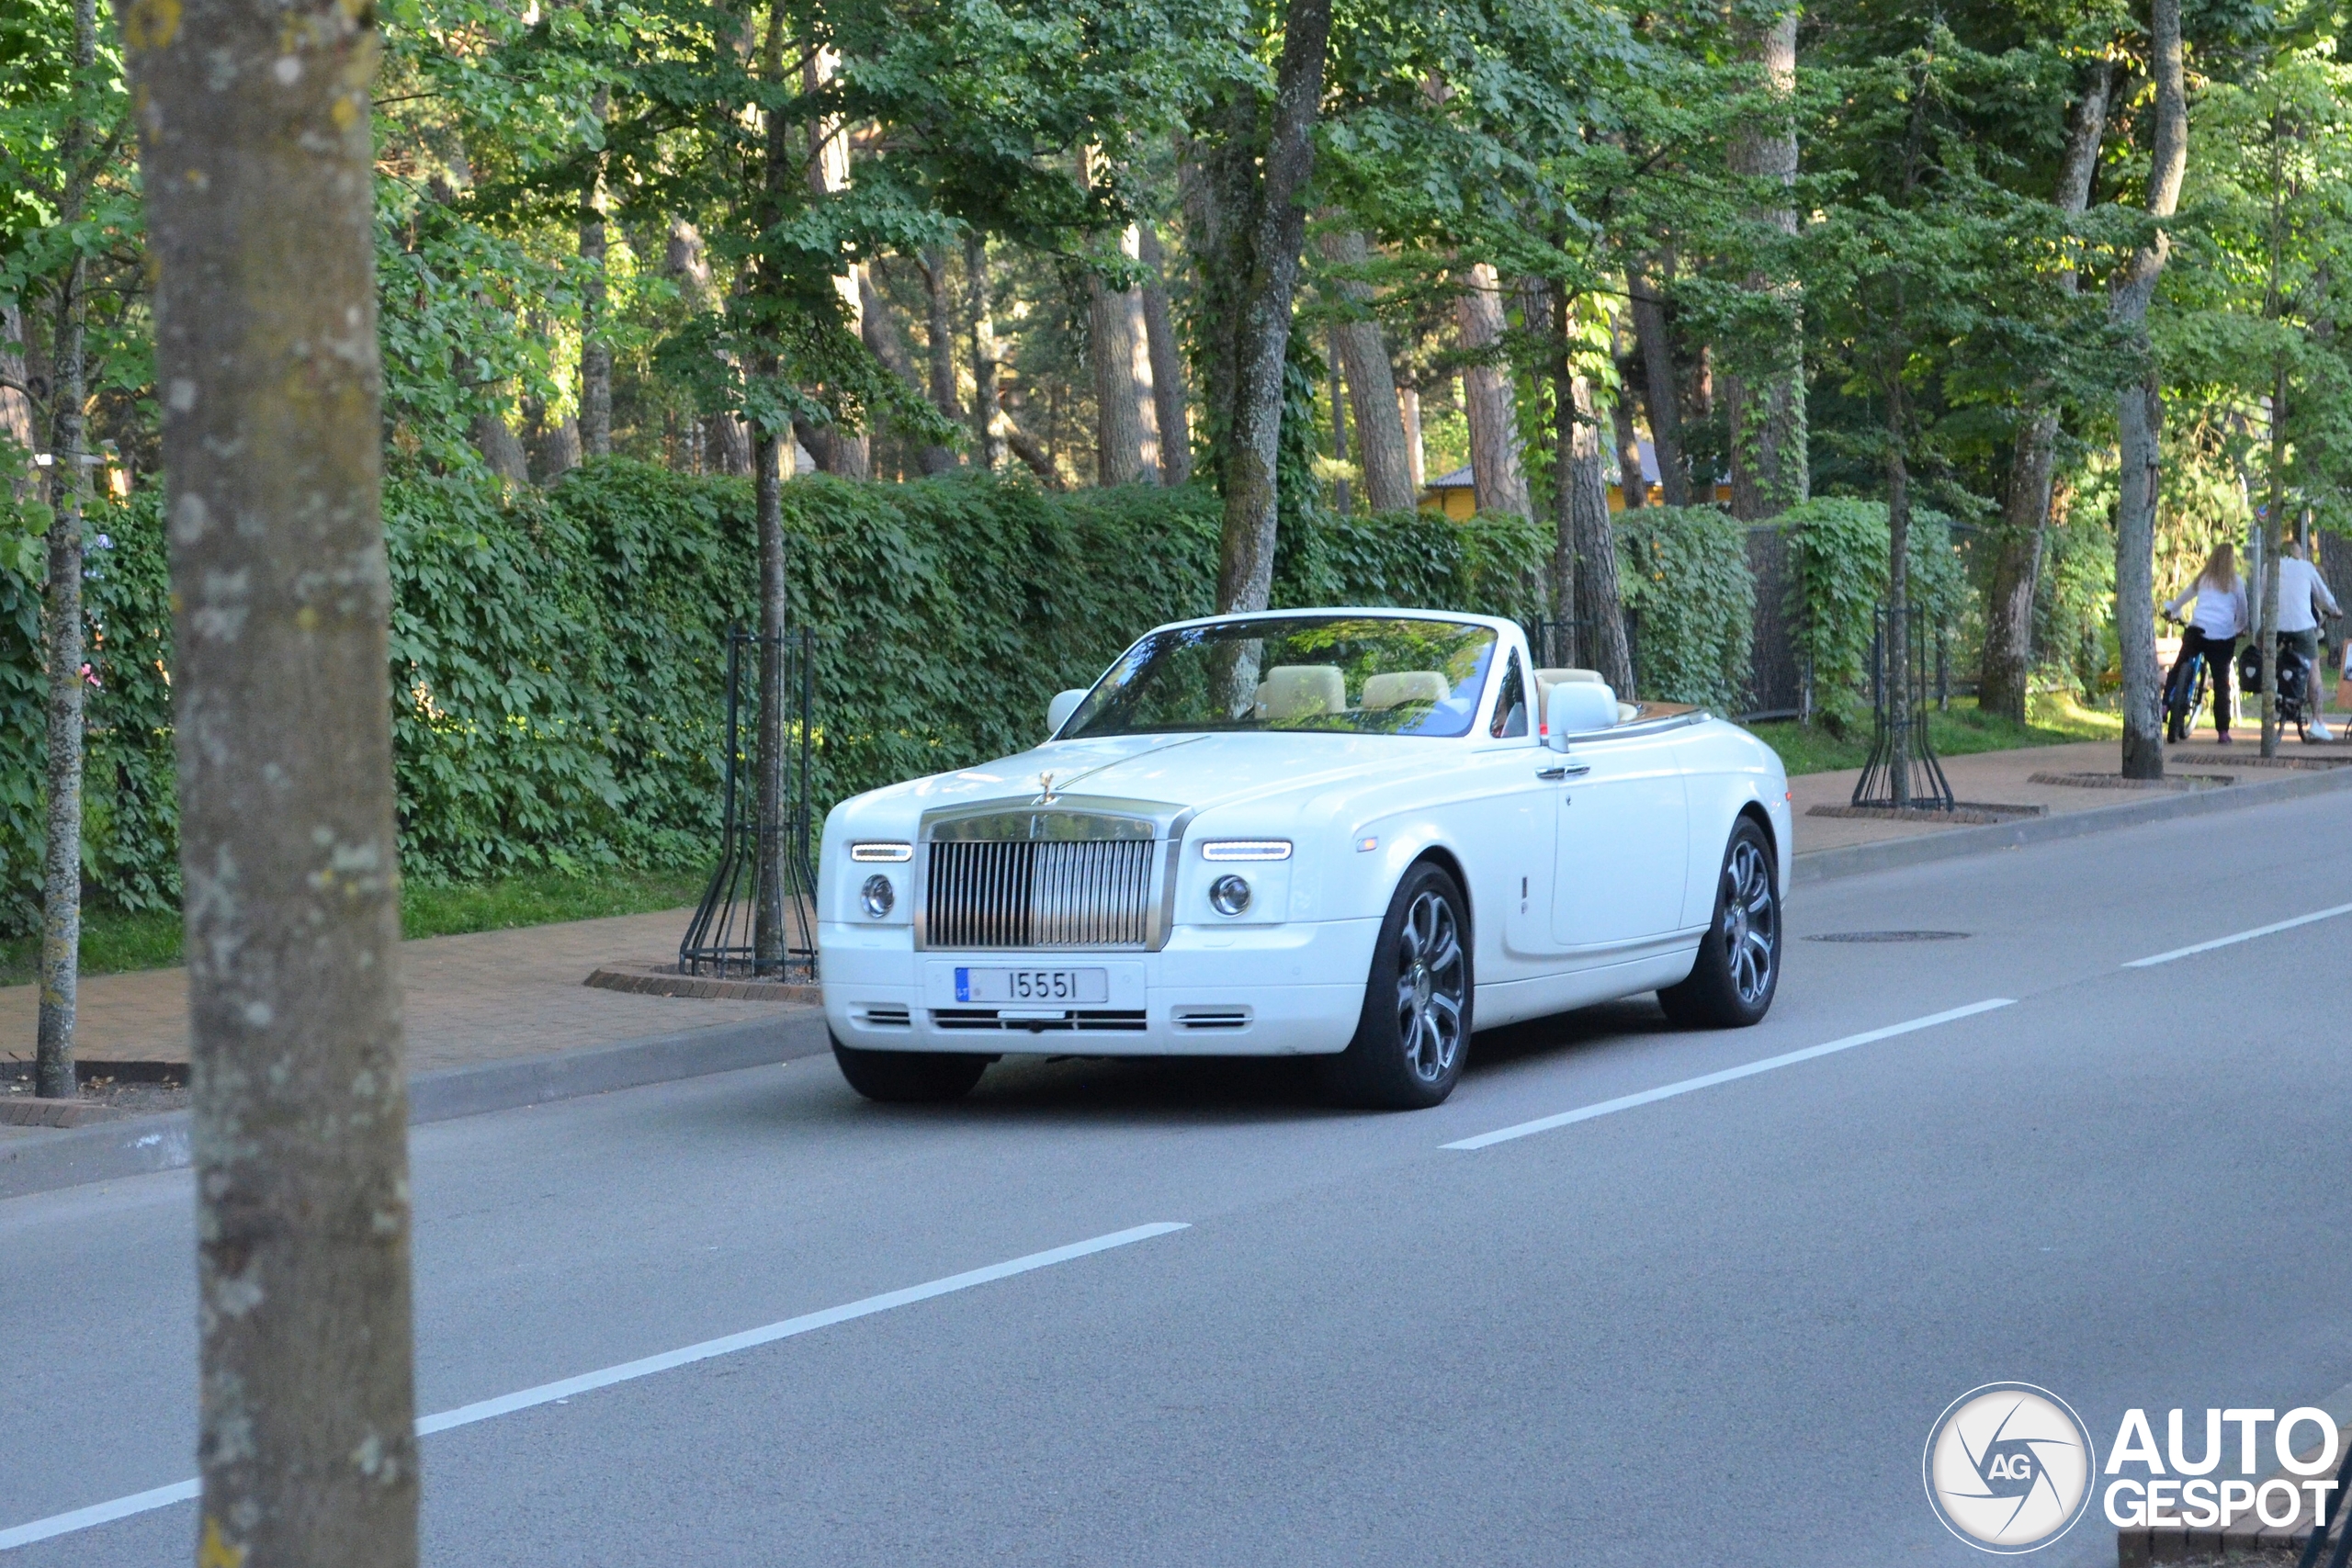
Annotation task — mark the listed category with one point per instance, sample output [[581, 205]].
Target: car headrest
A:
[[1578, 707], [1301, 691], [1402, 686]]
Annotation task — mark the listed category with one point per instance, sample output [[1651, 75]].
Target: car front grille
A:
[[1032, 894]]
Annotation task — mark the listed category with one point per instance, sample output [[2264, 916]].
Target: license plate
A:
[[1079, 985]]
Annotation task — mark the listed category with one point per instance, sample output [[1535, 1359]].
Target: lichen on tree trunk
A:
[[259, 182], [2139, 413]]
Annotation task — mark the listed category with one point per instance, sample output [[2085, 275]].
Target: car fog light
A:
[[878, 896], [1228, 895]]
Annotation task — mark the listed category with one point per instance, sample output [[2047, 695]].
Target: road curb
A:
[[1891, 854], [148, 1143]]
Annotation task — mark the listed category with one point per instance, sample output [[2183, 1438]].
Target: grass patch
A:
[[2055, 720], [115, 941]]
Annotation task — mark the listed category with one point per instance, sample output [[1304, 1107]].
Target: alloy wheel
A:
[[1431, 987], [1751, 922]]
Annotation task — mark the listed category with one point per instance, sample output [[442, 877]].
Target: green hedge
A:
[[1684, 570], [1838, 548], [557, 658]]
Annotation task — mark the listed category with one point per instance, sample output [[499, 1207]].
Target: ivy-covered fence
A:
[[557, 658]]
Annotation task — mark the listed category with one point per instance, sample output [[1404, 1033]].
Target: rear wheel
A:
[[1414, 1033], [910, 1077], [1731, 984]]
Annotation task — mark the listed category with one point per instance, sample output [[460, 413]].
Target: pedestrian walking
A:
[[2302, 599], [2219, 594]]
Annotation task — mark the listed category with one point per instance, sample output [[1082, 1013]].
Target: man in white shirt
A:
[[2302, 599]]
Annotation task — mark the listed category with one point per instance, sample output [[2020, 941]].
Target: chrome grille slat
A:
[[1061, 894]]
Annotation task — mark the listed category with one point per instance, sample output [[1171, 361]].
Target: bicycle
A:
[[2185, 695]]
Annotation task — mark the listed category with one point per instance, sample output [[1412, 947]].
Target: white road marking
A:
[[1709, 1080], [555, 1392], [2274, 927]]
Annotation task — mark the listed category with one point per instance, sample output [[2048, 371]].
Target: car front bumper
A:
[[1294, 989]]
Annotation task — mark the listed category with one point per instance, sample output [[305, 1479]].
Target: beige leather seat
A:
[[1402, 686], [1302, 691]]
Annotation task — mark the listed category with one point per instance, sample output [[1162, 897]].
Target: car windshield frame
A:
[[1427, 676]]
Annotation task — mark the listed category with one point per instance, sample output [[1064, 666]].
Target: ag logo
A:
[[2009, 1467]]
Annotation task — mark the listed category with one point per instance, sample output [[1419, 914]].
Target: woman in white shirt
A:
[[2213, 629]]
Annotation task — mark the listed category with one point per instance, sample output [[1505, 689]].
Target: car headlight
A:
[[1228, 895], [1245, 849], [882, 852], [878, 896]]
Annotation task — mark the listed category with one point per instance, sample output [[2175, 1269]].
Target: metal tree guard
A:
[[750, 925], [1902, 771]]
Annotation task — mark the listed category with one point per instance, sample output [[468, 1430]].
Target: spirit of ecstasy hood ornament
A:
[[1045, 787]]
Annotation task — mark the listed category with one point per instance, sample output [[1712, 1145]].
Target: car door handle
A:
[[1559, 771]]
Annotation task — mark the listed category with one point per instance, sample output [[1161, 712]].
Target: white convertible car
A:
[[1338, 833]]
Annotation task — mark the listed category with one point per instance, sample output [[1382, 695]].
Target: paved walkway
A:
[[468, 998], [2006, 778]]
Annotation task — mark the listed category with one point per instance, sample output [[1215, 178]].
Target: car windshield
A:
[[1354, 675]]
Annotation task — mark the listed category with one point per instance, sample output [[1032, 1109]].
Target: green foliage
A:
[[557, 658], [1838, 548], [130, 816], [1684, 570]]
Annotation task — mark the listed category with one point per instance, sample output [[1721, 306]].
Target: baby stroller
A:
[[2294, 684]]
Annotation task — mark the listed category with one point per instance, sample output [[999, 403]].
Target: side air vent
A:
[[882, 1015], [1213, 1017]]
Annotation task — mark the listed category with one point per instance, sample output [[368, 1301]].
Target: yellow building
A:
[[1454, 496]]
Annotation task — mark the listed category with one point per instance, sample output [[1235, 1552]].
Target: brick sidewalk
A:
[[484, 998], [2006, 778]]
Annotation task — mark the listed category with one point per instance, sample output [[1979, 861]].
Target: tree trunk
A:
[[730, 440], [1658, 395], [15, 403], [2025, 523], [595, 353], [2139, 413], [1276, 229], [1898, 588], [939, 334], [500, 448], [60, 923], [1166, 363], [1497, 480], [1770, 469], [1584, 572], [1409, 405], [1110, 352], [882, 341], [265, 347], [987, 412], [1372, 384], [770, 938], [2274, 516], [839, 449]]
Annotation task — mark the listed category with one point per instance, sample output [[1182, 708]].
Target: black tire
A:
[[1738, 969], [910, 1077], [1414, 1033]]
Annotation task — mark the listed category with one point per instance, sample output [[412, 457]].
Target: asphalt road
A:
[[1714, 1327]]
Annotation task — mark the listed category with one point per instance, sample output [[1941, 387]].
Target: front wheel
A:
[[910, 1077], [1731, 984], [1414, 1032]]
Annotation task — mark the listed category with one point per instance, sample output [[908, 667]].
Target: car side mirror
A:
[[1577, 707], [1057, 712]]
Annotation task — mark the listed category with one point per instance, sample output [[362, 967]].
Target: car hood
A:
[[1192, 770]]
